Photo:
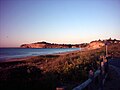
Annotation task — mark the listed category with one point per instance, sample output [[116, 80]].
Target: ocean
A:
[[9, 53]]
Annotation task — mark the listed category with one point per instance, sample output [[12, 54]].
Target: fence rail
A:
[[100, 76], [87, 82], [101, 73]]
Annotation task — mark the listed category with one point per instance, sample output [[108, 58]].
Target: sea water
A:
[[9, 53]]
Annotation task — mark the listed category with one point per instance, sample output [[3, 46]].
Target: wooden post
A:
[[104, 71], [101, 74], [87, 82], [60, 88], [102, 68], [91, 74], [106, 48]]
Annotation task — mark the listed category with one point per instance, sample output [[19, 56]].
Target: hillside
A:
[[100, 43], [92, 45], [51, 45]]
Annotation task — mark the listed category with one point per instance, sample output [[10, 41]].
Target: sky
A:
[[58, 21]]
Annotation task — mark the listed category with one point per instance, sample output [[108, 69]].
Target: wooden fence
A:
[[96, 79], [87, 82]]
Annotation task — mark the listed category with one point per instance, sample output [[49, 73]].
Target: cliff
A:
[[100, 43], [92, 45], [95, 45], [49, 45]]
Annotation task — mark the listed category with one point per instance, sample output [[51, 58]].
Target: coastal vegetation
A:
[[50, 71]]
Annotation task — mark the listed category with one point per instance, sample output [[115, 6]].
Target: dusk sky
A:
[[58, 21]]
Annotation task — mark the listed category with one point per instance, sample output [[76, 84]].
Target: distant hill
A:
[[99, 43], [51, 45], [92, 45], [95, 45]]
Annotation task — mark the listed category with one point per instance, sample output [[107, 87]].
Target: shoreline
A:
[[50, 68], [29, 57]]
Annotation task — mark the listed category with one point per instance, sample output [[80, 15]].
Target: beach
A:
[[29, 57], [55, 69], [8, 54]]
